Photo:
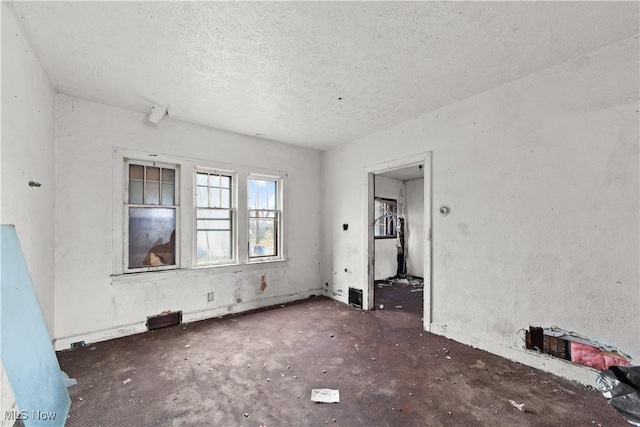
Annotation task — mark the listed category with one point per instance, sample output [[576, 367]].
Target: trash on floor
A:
[[402, 282], [621, 386], [519, 406], [325, 395], [417, 282]]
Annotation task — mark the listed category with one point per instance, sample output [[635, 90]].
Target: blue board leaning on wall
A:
[[25, 345]]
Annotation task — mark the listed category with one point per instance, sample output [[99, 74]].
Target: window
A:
[[386, 218], [214, 218], [151, 206], [264, 218]]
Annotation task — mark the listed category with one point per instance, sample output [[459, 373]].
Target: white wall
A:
[[91, 304], [414, 215], [386, 250], [28, 126], [27, 154], [541, 176]]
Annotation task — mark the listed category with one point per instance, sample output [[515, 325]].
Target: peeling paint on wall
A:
[[263, 283]]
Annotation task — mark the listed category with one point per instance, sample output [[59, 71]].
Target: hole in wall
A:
[[574, 348]]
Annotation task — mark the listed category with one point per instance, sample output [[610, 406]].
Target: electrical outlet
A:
[[210, 297]]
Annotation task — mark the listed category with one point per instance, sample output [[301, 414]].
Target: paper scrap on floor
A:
[[325, 395]]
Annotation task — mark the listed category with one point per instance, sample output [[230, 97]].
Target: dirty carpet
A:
[[258, 369]]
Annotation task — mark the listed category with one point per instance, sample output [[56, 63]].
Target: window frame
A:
[[126, 205], [279, 220], [233, 188], [185, 226], [394, 221]]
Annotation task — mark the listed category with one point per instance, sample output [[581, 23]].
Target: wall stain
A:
[[237, 291], [464, 229], [263, 284], [579, 63], [619, 168]]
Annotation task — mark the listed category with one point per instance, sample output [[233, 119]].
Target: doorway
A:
[[398, 255]]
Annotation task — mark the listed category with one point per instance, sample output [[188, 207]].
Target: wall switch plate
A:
[[210, 297]]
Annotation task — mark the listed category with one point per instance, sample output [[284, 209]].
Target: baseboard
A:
[[64, 343], [338, 297], [562, 368], [195, 316]]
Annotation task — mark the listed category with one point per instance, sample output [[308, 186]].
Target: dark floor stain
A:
[[259, 368]]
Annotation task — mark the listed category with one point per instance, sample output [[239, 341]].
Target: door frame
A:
[[369, 244]]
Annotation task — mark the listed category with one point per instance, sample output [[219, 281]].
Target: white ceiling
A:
[[314, 74]]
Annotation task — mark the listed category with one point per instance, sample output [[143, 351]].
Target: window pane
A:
[[214, 224], [151, 237], [153, 174], [213, 214], [262, 237], [214, 197], [225, 181], [252, 191], [214, 181], [272, 195], [136, 189], [213, 219], [385, 221], [263, 218], [213, 241], [168, 194], [202, 179], [168, 175], [152, 195], [202, 199], [136, 183], [225, 196], [262, 195], [136, 172], [213, 246]]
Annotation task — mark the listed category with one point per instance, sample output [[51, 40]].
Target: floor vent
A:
[[355, 297], [163, 320]]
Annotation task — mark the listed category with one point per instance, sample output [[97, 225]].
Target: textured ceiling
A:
[[314, 74]]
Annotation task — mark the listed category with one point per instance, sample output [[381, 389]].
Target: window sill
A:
[[192, 272], [264, 260]]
